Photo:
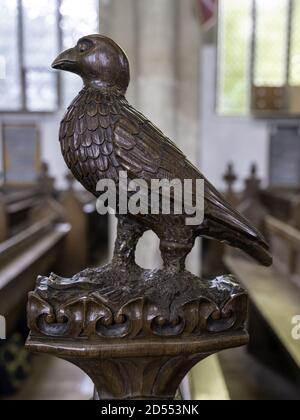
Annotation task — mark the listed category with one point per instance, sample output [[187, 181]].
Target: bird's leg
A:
[[128, 235], [174, 253]]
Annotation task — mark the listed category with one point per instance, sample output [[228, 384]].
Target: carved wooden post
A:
[[136, 332], [251, 205], [230, 179], [137, 343], [46, 182]]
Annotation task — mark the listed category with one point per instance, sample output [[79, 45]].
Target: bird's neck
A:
[[99, 85], [104, 96]]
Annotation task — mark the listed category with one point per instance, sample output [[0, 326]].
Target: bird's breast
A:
[[86, 137]]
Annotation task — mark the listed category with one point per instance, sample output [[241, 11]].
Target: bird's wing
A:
[[86, 136], [145, 152]]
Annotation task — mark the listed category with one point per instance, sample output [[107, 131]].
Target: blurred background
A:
[[222, 80]]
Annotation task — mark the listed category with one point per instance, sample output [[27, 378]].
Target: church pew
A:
[[15, 207], [276, 302], [283, 204], [285, 244], [32, 235], [34, 251], [247, 203]]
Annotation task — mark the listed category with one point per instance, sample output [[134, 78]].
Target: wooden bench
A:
[[285, 245], [35, 251], [15, 208], [283, 204], [276, 300]]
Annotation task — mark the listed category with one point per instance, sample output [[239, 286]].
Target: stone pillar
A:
[[156, 62], [118, 21], [156, 85], [188, 45], [162, 39], [187, 64]]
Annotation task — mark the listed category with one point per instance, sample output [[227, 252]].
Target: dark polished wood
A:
[[230, 179], [101, 134], [285, 242], [35, 250], [15, 208], [136, 332], [274, 303], [283, 203], [250, 205], [141, 369], [136, 338], [33, 244]]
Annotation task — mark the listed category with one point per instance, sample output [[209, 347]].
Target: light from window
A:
[[39, 32], [271, 42], [32, 33], [295, 45], [234, 56], [259, 45], [10, 82], [41, 43], [41, 91], [76, 22]]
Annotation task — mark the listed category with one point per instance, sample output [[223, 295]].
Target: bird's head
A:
[[99, 61]]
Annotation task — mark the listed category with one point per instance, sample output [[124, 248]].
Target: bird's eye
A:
[[83, 47]]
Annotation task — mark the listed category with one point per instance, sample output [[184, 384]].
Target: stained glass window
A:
[[32, 32]]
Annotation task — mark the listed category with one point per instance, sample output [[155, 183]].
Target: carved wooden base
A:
[[136, 336], [138, 369]]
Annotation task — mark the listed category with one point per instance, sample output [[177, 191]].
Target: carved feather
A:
[[102, 134]]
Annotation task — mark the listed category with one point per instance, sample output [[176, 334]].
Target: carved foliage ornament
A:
[[92, 315]]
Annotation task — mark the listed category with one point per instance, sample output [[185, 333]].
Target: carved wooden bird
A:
[[101, 134]]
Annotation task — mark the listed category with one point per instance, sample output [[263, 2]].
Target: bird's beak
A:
[[67, 61]]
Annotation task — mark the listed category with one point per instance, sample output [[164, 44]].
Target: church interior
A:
[[221, 79]]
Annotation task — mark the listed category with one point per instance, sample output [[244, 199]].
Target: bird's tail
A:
[[255, 247], [256, 250]]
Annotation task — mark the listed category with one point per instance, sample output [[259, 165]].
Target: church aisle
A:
[[245, 378], [248, 379], [55, 379]]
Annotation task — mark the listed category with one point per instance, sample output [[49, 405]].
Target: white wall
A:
[[223, 139]]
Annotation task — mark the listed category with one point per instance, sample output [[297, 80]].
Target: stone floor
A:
[[55, 379]]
